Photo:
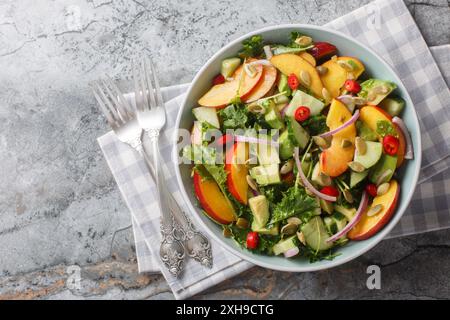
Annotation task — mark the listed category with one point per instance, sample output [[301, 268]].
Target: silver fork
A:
[[151, 116], [121, 117]]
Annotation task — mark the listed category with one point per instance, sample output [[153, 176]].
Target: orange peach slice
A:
[[213, 201], [264, 86], [334, 160], [359, 66], [368, 226], [237, 171], [334, 78], [308, 57], [221, 94]]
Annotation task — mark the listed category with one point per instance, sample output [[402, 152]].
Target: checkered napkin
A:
[[399, 41]]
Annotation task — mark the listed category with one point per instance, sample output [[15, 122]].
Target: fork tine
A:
[[109, 116], [137, 93], [159, 99], [123, 116], [122, 101], [143, 92], [148, 78]]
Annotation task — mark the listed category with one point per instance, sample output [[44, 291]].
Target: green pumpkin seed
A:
[[251, 183], [346, 143], [294, 220], [303, 41], [301, 238], [287, 167], [344, 64], [347, 196], [226, 232], [305, 77], [326, 94], [356, 166], [382, 188], [322, 70], [289, 229], [242, 223], [361, 146], [375, 210], [321, 142]]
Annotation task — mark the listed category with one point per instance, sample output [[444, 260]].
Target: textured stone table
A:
[[59, 205]]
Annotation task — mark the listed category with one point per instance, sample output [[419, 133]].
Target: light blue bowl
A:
[[375, 67]]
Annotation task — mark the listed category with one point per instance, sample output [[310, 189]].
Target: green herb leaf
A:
[[385, 128], [234, 116], [251, 47], [316, 124], [295, 202]]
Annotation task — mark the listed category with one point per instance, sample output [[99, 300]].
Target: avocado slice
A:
[[283, 85], [372, 85], [286, 146], [229, 66], [386, 163], [299, 135], [260, 210], [284, 245], [393, 105], [266, 174], [372, 155], [272, 231], [272, 115], [357, 177], [365, 132], [301, 98], [316, 234]]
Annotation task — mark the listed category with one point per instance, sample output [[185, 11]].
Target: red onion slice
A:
[[409, 153], [268, 52], [291, 252], [263, 62], [256, 140], [345, 125], [306, 182], [362, 207]]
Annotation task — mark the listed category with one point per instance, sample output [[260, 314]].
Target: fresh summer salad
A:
[[295, 150]]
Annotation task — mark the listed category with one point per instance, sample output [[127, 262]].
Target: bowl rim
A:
[[312, 267]]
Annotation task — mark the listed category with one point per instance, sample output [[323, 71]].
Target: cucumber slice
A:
[[206, 114], [300, 135], [316, 234], [349, 213], [284, 245], [357, 177], [229, 66], [301, 98], [266, 174], [260, 210], [372, 155], [283, 85]]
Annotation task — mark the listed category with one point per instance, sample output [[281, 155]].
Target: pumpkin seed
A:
[[334, 58], [384, 89], [251, 183], [344, 64], [356, 166], [305, 77], [226, 232], [242, 223], [309, 193], [382, 188], [289, 229], [307, 156], [326, 94], [375, 210], [325, 180], [327, 206], [304, 41], [294, 220], [347, 196], [361, 146], [346, 143], [383, 176], [321, 142], [359, 101], [350, 76], [301, 237], [322, 70], [256, 108], [287, 167], [371, 95], [250, 70]]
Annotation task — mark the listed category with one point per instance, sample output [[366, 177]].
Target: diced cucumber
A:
[[370, 85], [272, 231], [300, 135], [357, 177], [316, 234], [365, 132], [283, 85], [206, 114], [393, 105], [266, 174], [272, 116], [260, 210], [229, 66], [301, 98], [286, 146], [284, 245], [266, 153], [331, 225], [347, 212], [385, 167], [372, 155]]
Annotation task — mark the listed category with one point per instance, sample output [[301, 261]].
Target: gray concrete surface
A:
[[59, 205]]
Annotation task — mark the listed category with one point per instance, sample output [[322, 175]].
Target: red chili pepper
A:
[[219, 79], [371, 189], [293, 81], [390, 144], [302, 113], [322, 50], [352, 86], [252, 240], [330, 191]]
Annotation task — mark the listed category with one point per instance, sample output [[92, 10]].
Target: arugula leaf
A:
[[316, 124], [234, 116], [385, 127], [251, 47], [282, 49], [295, 202]]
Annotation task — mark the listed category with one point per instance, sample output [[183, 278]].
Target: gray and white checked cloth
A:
[[398, 40]]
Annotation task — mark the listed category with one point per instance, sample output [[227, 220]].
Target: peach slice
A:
[[221, 94], [368, 226], [213, 201], [334, 78], [359, 66], [291, 63], [334, 160], [308, 57], [237, 171], [401, 147], [264, 85]]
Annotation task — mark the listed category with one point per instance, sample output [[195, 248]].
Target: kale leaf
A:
[[295, 202], [251, 47], [316, 124], [234, 116]]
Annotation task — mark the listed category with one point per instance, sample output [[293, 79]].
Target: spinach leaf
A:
[[295, 202], [316, 124], [251, 47]]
